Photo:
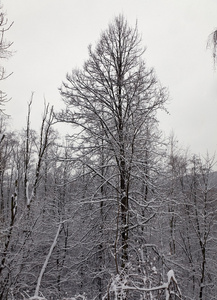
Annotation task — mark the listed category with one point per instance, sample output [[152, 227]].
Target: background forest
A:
[[113, 210]]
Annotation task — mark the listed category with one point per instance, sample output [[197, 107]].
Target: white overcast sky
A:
[[51, 38]]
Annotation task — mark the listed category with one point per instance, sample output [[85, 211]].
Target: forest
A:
[[113, 210]]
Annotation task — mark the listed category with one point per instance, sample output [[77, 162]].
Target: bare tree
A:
[[190, 225], [42, 146], [201, 208], [110, 103], [4, 50]]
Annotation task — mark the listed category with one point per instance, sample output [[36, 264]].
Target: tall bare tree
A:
[[111, 102]]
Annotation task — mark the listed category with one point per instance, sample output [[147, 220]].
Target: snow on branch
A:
[[119, 286], [45, 264]]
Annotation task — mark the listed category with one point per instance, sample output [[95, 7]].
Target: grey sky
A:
[[51, 37]]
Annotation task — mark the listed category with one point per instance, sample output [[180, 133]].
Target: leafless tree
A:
[[44, 141], [110, 103], [4, 50]]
